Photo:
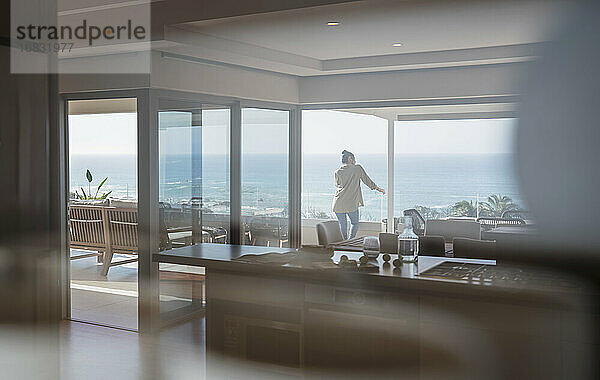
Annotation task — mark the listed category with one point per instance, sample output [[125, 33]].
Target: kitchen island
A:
[[304, 316]]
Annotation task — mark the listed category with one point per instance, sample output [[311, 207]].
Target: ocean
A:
[[421, 179]]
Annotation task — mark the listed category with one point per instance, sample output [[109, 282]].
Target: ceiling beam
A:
[[198, 47], [455, 57], [216, 49], [169, 12]]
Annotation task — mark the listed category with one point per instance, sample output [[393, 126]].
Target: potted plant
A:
[[88, 195]]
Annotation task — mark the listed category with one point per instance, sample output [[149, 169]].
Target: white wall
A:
[[501, 79], [69, 83], [228, 80], [175, 74]]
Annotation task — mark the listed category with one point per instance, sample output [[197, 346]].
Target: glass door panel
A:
[[194, 176], [265, 177], [325, 134], [194, 203], [102, 214]]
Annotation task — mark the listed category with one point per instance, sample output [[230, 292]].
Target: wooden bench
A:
[[122, 237], [88, 230], [106, 230]]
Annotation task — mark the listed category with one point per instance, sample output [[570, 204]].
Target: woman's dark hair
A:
[[346, 155]]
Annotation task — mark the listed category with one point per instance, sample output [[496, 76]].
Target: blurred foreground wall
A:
[[29, 241]]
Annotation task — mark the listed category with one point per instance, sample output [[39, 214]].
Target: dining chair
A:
[[430, 245], [329, 232]]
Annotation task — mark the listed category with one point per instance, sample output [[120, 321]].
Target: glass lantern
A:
[[408, 242]]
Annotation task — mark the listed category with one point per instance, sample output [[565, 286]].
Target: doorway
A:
[[102, 175]]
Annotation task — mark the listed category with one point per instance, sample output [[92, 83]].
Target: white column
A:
[[390, 184]]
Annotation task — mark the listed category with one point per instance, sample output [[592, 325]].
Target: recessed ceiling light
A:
[[397, 44], [333, 23]]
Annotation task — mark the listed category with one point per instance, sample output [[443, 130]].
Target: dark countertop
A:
[[221, 258], [207, 253]]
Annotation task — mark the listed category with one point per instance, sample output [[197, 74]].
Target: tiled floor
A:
[[112, 300], [107, 300], [96, 352]]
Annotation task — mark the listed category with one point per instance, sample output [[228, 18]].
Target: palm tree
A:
[[497, 205], [464, 208]]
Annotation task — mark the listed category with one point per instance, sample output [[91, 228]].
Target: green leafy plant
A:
[[88, 195]]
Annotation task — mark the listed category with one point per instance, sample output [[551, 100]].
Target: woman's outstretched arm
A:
[[368, 181]]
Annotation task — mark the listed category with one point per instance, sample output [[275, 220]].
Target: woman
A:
[[348, 196]]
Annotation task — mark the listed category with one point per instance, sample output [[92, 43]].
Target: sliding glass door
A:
[[103, 214], [194, 196], [194, 176], [325, 134], [265, 177], [195, 168]]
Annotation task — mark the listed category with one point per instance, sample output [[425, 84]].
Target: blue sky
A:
[[324, 132], [103, 134]]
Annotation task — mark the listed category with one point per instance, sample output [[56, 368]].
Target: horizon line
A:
[[304, 154]]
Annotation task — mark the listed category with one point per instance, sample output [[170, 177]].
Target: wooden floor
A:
[[94, 352]]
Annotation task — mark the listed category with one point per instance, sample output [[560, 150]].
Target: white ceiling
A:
[[369, 28], [433, 34]]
